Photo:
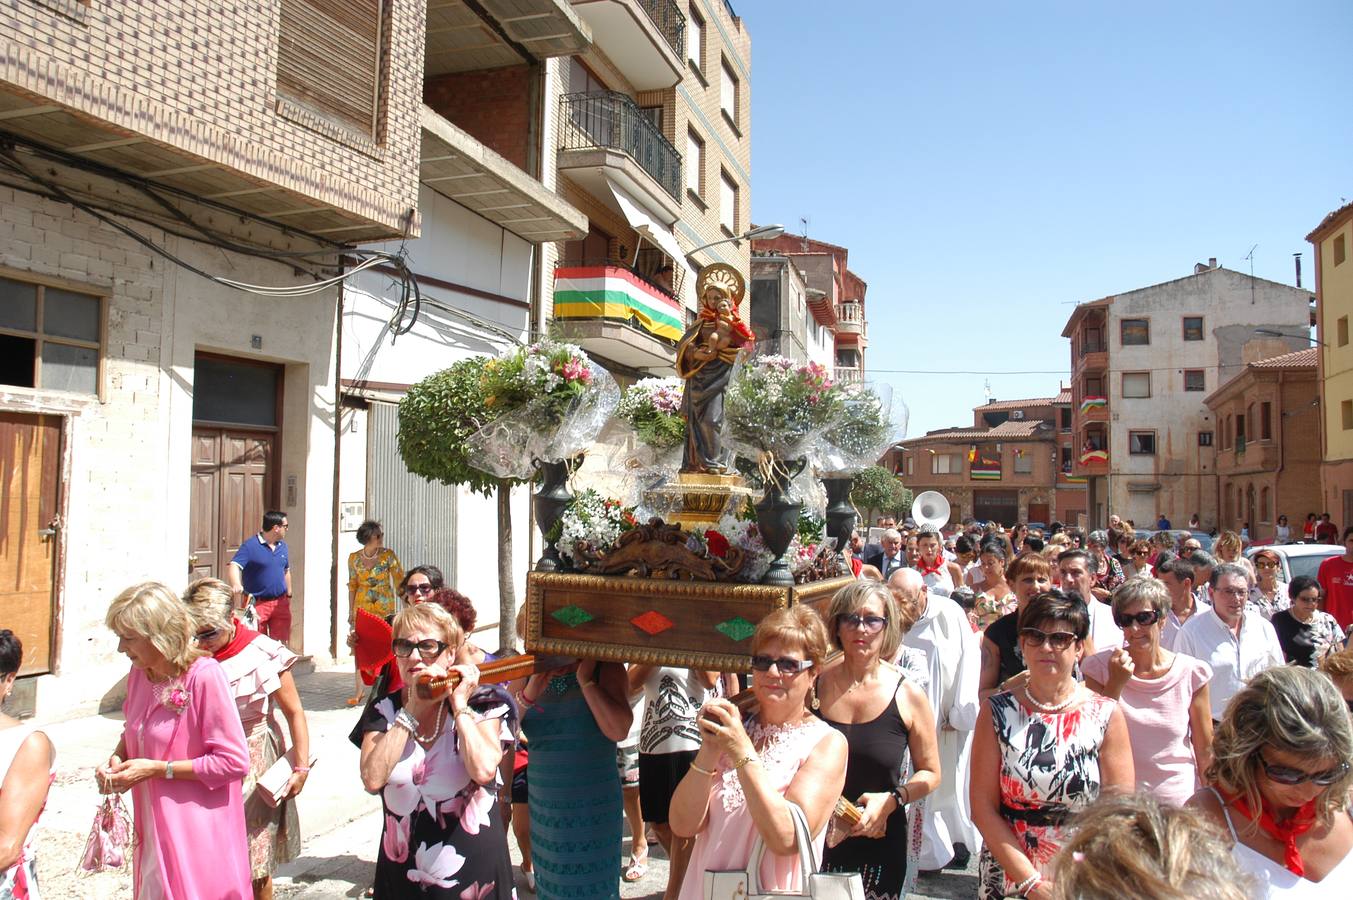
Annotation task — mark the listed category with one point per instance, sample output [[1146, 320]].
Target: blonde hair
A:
[[1294, 710], [795, 626], [432, 617], [1228, 543], [1152, 590], [1338, 666], [154, 612], [210, 604], [855, 595], [1132, 846]]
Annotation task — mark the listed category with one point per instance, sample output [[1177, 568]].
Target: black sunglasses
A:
[[428, 649], [1057, 640], [1290, 776], [785, 665], [419, 589], [1145, 619], [211, 634], [871, 624]]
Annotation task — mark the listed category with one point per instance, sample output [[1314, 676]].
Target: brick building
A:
[[153, 412], [1268, 463]]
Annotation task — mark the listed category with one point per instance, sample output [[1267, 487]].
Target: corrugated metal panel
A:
[[419, 516]]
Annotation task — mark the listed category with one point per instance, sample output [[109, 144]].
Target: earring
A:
[[812, 692]]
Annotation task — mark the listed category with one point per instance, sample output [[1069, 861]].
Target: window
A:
[[329, 57], [1193, 328], [1136, 385], [695, 165], [1194, 380], [1066, 460], [1240, 432], [1024, 462], [728, 203], [1094, 386], [1142, 443], [50, 338], [1265, 421], [1340, 250], [1134, 332], [1065, 418], [946, 464], [911, 463], [1342, 337], [728, 94], [652, 114], [1263, 505], [1204, 439], [1346, 410], [695, 40], [235, 391]]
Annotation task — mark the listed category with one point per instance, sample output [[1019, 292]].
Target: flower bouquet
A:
[[652, 407], [867, 421], [591, 525]]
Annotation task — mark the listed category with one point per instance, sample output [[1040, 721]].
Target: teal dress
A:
[[574, 795]]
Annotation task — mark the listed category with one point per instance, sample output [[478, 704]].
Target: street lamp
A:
[[1273, 332], [766, 232]]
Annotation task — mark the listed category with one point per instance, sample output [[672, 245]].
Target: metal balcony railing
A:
[[670, 20], [613, 120]]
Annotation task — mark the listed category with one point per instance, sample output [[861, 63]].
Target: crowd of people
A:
[[1090, 715]]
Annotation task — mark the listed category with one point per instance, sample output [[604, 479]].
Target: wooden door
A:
[[30, 532], [1038, 512], [230, 491]]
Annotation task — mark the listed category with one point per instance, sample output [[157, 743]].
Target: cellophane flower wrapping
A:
[[868, 418], [593, 520], [743, 533], [777, 406], [554, 401], [652, 407]]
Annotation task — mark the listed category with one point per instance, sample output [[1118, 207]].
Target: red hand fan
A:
[[373, 645]]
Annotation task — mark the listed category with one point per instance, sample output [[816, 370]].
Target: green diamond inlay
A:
[[572, 615], [737, 628]]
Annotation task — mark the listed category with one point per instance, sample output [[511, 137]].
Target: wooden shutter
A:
[[329, 58]]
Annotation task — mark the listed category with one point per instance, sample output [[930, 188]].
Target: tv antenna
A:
[[986, 389], [1250, 257], [803, 223]]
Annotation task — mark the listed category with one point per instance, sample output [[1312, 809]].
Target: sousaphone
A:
[[930, 508]]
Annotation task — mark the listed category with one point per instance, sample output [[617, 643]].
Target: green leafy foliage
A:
[[876, 488]]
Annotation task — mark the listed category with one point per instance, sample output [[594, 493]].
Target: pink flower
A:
[[175, 697], [395, 838], [473, 810], [477, 891], [576, 370], [435, 865]]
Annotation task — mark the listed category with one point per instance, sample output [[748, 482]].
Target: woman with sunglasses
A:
[[1306, 632], [747, 773], [885, 717], [1269, 593], [1042, 751], [259, 671], [1140, 562], [434, 762], [1163, 695], [1279, 784]]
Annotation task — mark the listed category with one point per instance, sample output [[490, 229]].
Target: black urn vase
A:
[[841, 516], [777, 518], [549, 501]]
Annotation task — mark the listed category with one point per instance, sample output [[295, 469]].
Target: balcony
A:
[[606, 139], [848, 374], [459, 39], [1093, 408], [458, 167], [644, 39], [850, 318], [615, 313]]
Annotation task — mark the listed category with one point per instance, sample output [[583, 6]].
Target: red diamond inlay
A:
[[652, 622]]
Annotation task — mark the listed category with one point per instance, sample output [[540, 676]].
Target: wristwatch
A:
[[169, 770], [900, 794]]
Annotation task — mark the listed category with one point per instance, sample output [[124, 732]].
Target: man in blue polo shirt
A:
[[261, 570]]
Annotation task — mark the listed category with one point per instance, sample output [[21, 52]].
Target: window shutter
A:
[[329, 58]]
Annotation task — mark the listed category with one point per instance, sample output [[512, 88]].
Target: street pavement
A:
[[340, 821]]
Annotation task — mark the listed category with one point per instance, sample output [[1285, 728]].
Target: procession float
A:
[[737, 498]]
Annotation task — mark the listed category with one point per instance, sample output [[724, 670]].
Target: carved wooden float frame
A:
[[704, 625]]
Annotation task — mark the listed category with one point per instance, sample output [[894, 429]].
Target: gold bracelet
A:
[[742, 762], [708, 773], [585, 684]]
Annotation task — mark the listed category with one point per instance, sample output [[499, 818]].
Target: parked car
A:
[[1299, 559]]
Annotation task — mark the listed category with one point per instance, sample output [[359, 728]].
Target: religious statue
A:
[[705, 358]]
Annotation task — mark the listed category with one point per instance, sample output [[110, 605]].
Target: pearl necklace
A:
[[436, 732], [1049, 708], [372, 557]]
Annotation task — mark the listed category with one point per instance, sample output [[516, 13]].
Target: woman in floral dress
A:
[[435, 764], [1041, 751], [374, 579]]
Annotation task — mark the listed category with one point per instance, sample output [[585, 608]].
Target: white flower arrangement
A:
[[594, 520]]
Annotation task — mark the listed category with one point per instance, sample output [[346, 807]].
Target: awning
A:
[[648, 227]]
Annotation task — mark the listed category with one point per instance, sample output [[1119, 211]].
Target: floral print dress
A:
[[374, 583], [1049, 767], [443, 835]]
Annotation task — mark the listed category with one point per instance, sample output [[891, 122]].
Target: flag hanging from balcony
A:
[[1090, 403], [613, 292], [986, 466]]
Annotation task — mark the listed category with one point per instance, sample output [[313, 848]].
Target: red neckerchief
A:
[[926, 570], [241, 640], [739, 327], [1286, 833]]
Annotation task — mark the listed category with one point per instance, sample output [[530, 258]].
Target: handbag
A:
[[109, 836], [745, 884]]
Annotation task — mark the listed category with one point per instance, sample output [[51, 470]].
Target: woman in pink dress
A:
[[182, 754], [745, 775]]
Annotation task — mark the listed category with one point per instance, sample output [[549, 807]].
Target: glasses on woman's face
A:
[[427, 649], [1141, 552], [869, 623], [784, 665], [414, 590], [206, 637], [1290, 776], [1265, 564], [1146, 619], [1057, 640]]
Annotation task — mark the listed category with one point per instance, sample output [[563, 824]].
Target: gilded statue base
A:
[[696, 500]]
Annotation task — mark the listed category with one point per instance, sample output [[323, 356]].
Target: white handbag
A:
[[734, 884]]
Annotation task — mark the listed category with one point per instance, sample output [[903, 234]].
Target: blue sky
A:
[[989, 164]]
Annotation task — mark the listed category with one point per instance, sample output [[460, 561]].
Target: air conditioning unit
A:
[[1017, 414]]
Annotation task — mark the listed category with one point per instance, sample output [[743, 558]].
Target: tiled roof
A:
[[997, 405], [1297, 359], [1005, 431], [1064, 396], [1330, 221]]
